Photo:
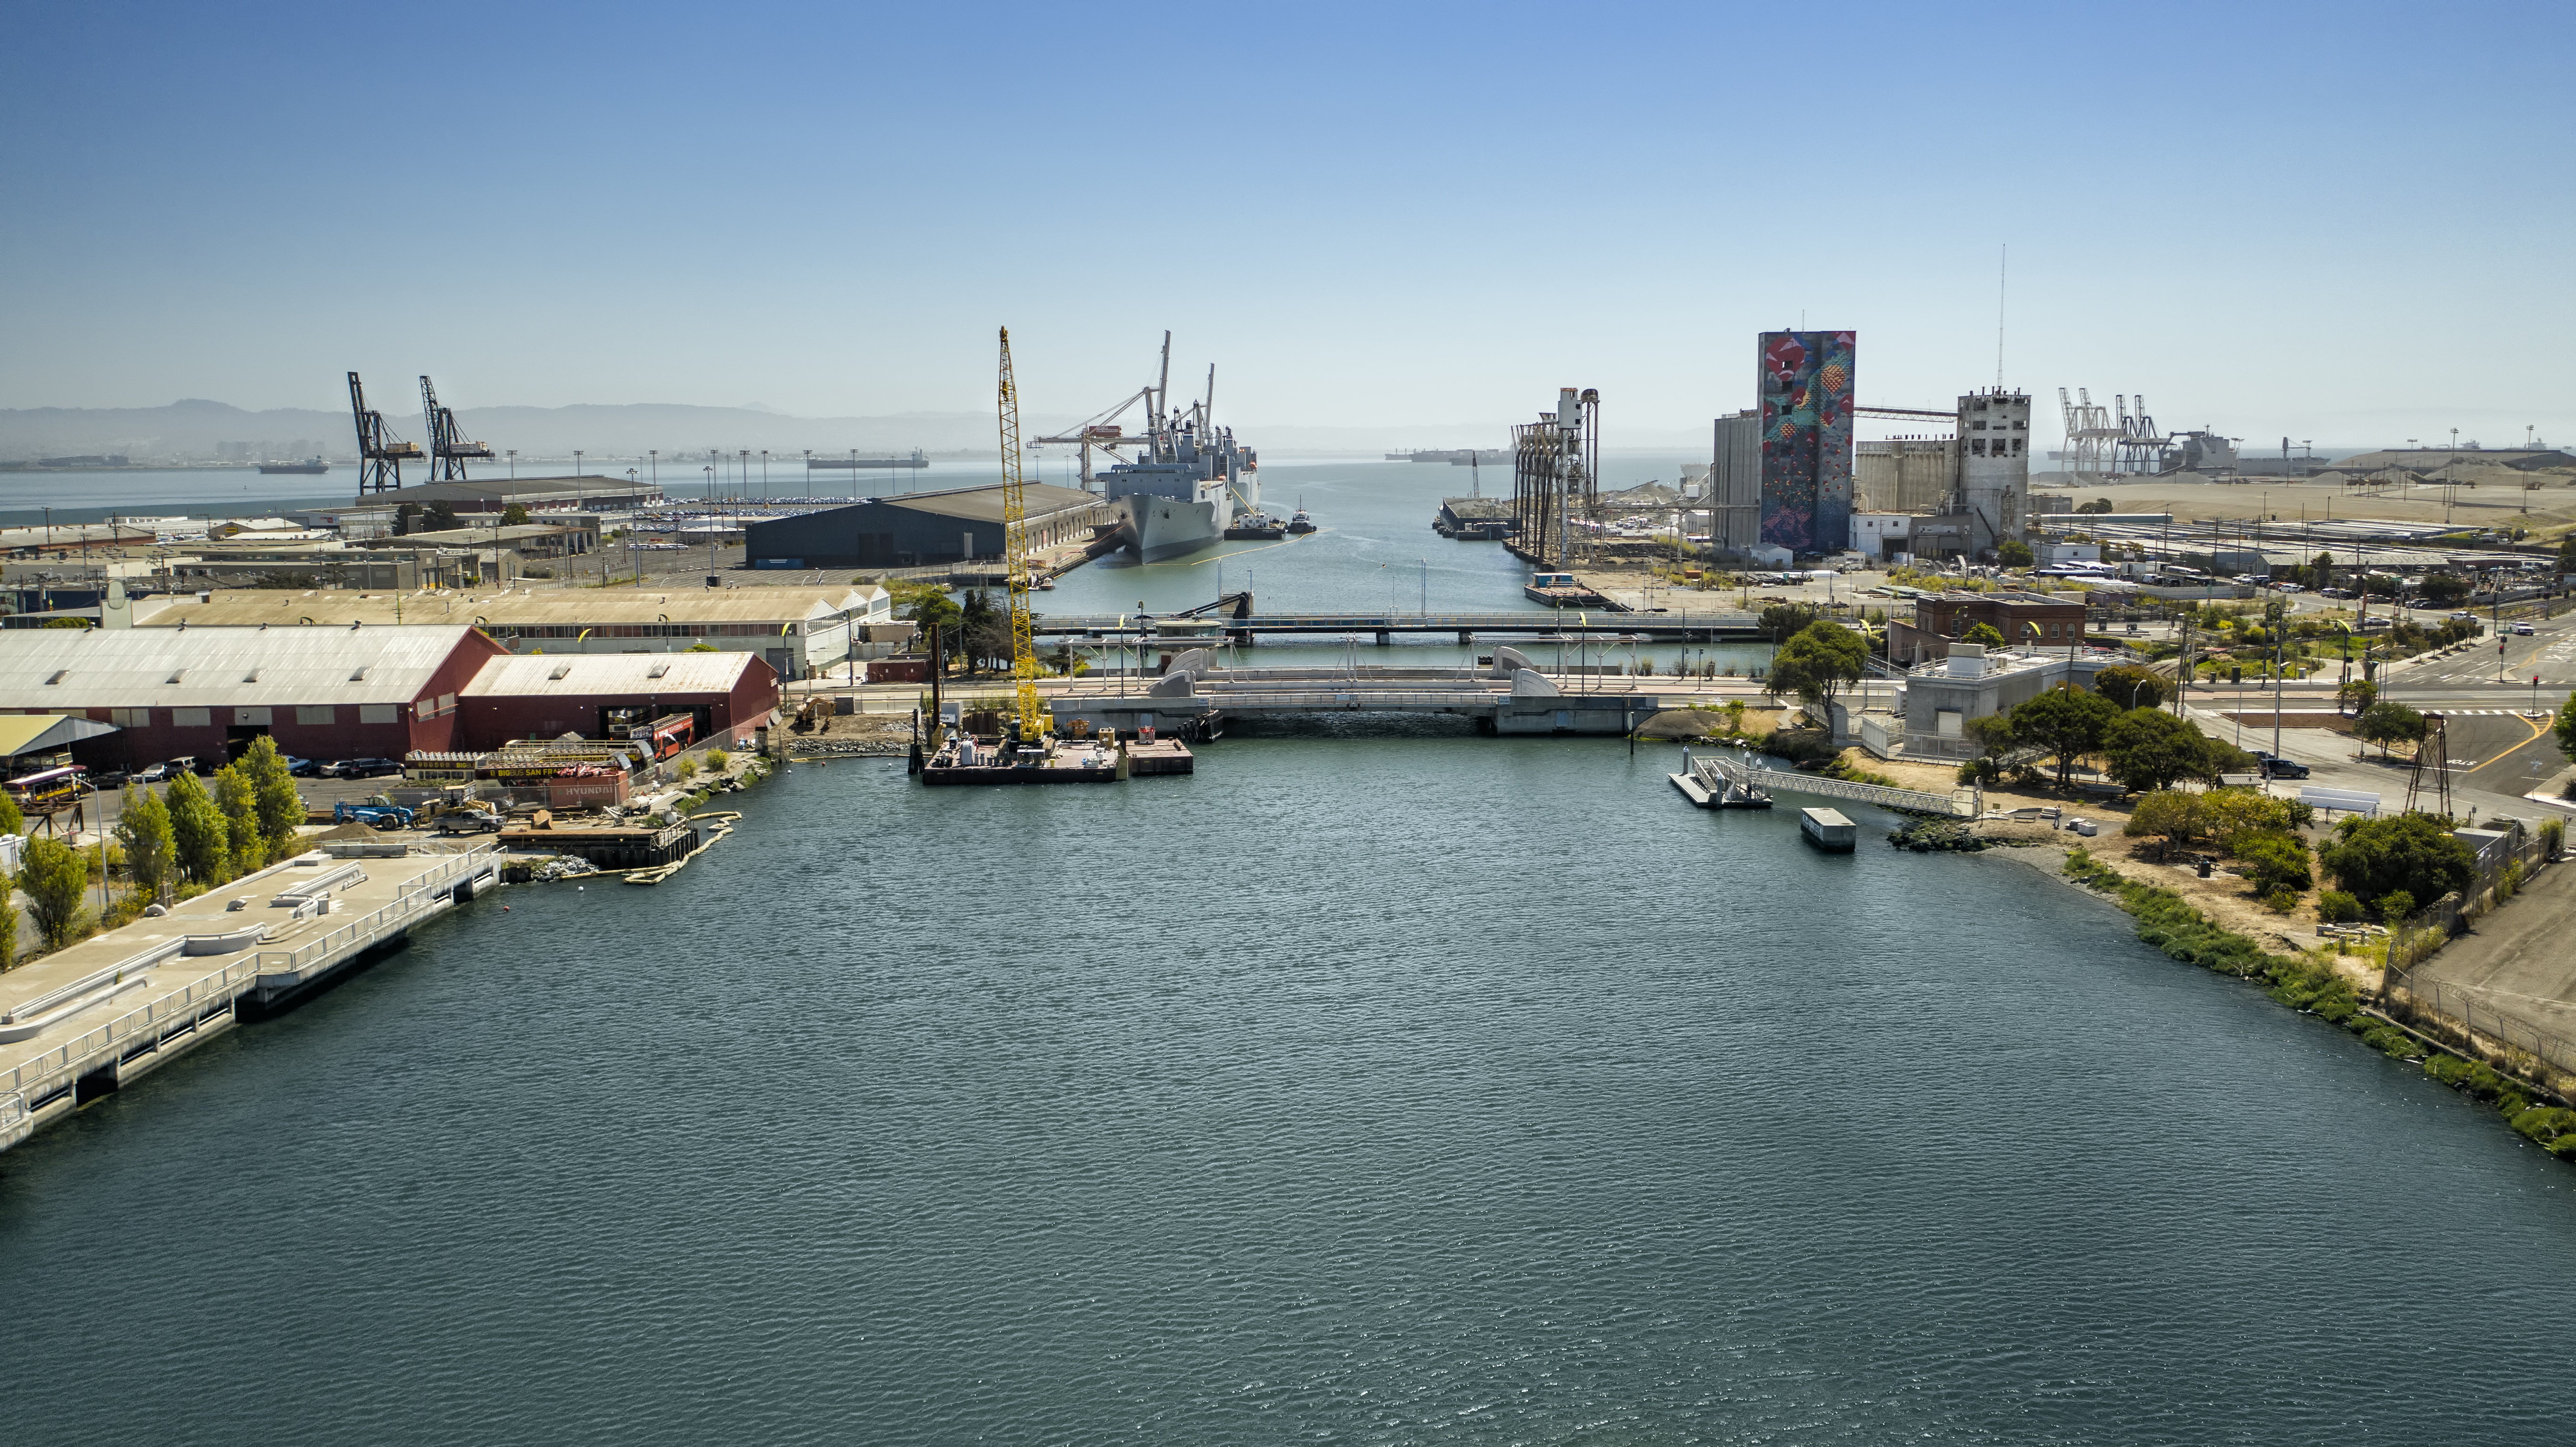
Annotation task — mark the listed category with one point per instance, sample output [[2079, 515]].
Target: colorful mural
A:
[[1806, 385]]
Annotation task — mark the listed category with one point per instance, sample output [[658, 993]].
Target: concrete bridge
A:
[[1194, 697], [1708, 627]]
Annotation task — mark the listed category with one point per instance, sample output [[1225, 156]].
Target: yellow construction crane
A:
[[1015, 549]]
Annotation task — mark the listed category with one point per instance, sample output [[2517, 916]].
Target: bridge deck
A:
[[1569, 621]]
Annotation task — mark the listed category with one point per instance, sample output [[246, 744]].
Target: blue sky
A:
[[2342, 222]]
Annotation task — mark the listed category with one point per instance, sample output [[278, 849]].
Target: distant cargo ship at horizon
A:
[[1457, 457], [309, 467]]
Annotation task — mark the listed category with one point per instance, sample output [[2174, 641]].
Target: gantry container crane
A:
[[448, 448], [380, 453]]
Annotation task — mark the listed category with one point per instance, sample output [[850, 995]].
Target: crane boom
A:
[[1015, 551]]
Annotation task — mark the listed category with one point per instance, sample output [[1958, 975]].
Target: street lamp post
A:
[[576, 462], [514, 464]]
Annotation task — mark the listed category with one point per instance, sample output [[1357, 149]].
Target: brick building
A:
[[2025, 620]]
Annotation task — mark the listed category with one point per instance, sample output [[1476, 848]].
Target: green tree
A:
[[2446, 587], [2356, 695], [2014, 553], [2386, 723], [514, 516], [2321, 571], [441, 516], [197, 833], [143, 830], [239, 800], [2170, 814], [2373, 858], [983, 631], [53, 877], [11, 820], [1816, 663], [407, 519], [280, 808], [8, 924], [2565, 728], [2067, 722], [2279, 862], [2147, 749], [2130, 686], [1782, 621], [1983, 634]]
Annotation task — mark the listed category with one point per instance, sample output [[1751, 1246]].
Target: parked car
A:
[[2273, 766], [191, 764], [301, 768], [152, 774], [469, 821], [2522, 630], [369, 768]]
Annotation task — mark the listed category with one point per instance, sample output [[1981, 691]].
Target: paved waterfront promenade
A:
[[85, 1020]]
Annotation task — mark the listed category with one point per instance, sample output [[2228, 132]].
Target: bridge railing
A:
[[36, 1075], [1910, 801]]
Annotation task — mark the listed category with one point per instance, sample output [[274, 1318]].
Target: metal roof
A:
[[222, 667], [984, 504], [517, 608], [43, 733], [584, 675]]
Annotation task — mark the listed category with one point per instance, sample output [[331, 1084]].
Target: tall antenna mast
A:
[[2003, 263]]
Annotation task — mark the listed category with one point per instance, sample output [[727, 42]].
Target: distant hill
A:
[[195, 429], [199, 430]]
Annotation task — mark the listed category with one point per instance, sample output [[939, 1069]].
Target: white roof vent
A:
[[560, 670], [657, 670], [59, 674], [358, 674], [175, 675]]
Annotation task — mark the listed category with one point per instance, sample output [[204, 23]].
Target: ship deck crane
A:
[[380, 453], [448, 447], [1015, 550]]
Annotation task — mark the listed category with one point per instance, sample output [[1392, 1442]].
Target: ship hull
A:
[[1162, 527]]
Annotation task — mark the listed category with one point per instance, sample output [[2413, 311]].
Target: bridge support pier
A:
[[1466, 639], [1385, 637]]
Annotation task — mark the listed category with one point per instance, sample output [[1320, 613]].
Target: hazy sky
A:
[[2348, 222]]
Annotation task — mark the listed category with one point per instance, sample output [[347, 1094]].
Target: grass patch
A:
[[2312, 985]]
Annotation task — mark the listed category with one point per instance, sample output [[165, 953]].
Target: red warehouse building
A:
[[321, 693], [602, 695]]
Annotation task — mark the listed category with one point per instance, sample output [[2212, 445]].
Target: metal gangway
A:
[[1715, 771]]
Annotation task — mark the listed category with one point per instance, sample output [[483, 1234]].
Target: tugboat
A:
[[1301, 524]]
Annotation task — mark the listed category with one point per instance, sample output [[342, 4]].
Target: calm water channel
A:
[[1437, 1089]]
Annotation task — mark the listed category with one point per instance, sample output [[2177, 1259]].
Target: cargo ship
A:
[[1190, 482], [309, 467]]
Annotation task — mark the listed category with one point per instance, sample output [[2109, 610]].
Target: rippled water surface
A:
[[1461, 1090]]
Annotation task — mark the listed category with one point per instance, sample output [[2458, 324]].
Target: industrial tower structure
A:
[[380, 453], [1556, 475], [448, 449]]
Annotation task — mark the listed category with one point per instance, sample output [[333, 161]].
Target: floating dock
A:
[[610, 846], [1062, 761], [86, 1020], [1828, 830], [1711, 789]]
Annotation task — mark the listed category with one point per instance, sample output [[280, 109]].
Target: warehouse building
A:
[[922, 528], [321, 693], [356, 692], [544, 697], [798, 632]]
